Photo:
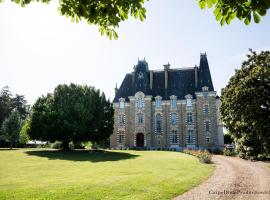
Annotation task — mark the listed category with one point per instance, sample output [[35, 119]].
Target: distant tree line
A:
[[13, 111]]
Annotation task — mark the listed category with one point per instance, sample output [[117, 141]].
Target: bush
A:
[[203, 156], [228, 152]]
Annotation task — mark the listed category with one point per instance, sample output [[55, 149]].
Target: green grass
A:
[[48, 174]]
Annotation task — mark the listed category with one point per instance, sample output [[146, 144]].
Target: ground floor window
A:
[[121, 137], [174, 137], [190, 136]]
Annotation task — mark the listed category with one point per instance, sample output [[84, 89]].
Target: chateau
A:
[[167, 109]]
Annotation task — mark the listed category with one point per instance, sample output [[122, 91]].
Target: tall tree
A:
[[11, 127], [107, 14], [245, 106], [72, 113], [5, 103]]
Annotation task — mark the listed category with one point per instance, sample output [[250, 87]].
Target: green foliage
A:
[[8, 103], [225, 11], [73, 113], [11, 127], [245, 106], [106, 14], [23, 137], [229, 152]]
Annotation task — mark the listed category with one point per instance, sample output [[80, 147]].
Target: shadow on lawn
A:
[[82, 155]]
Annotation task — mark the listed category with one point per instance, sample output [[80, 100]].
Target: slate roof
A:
[[180, 81]]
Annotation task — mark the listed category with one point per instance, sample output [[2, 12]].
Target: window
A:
[[189, 118], [158, 123], [173, 118], [139, 103], [207, 126], [158, 103], [190, 136], [207, 139], [174, 137], [189, 103], [122, 105], [173, 103], [139, 119], [121, 120], [121, 137], [206, 109]]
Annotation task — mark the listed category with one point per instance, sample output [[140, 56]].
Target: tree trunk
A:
[[66, 145], [10, 145]]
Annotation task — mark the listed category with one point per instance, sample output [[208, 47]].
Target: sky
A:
[[40, 49]]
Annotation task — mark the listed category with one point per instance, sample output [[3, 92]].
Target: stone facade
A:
[[159, 119]]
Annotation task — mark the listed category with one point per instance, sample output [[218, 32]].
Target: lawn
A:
[[49, 174]]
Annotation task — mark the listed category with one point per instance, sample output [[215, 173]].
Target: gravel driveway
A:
[[234, 178]]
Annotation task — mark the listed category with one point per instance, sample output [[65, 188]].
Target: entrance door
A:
[[139, 140]]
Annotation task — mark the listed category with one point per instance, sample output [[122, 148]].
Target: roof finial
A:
[[167, 66]]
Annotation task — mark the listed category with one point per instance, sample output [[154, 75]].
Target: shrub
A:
[[228, 152], [203, 156]]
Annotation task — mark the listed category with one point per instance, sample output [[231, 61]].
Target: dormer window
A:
[[173, 101], [121, 105], [158, 102], [189, 103], [139, 103], [188, 100]]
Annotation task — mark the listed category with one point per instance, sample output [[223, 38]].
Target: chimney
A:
[[166, 69], [116, 89], [196, 76], [133, 74], [151, 79]]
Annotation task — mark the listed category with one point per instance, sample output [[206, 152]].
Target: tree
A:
[[5, 103], [245, 106], [72, 113], [107, 14], [23, 137], [226, 10], [11, 128]]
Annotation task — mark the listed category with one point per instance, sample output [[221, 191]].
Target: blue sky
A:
[[40, 49]]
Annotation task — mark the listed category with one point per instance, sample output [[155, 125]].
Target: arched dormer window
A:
[[121, 104], [188, 101], [158, 102], [173, 101], [139, 102]]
